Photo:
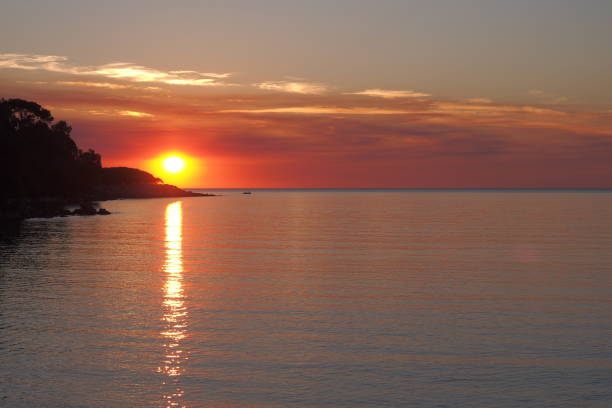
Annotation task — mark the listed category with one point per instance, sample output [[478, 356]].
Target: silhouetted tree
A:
[[38, 157], [18, 114], [90, 159], [126, 175]]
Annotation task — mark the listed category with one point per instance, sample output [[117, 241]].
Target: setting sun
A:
[[174, 164], [176, 167]]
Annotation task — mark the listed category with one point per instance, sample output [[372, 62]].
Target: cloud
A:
[[479, 100], [558, 100], [27, 62], [390, 94], [461, 108], [89, 84], [118, 70], [322, 110], [135, 114], [306, 88], [431, 111], [346, 140], [548, 97], [207, 74], [104, 112], [93, 84]]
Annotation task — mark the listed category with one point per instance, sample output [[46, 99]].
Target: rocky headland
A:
[[44, 174]]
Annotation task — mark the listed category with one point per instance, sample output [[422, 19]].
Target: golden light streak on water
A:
[[175, 312]]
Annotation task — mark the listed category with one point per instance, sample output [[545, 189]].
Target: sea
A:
[[313, 298]]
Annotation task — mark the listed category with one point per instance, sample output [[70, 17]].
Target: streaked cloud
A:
[[451, 107], [433, 108], [117, 70], [550, 98], [102, 112], [391, 94], [93, 84], [90, 84], [95, 112], [323, 110], [135, 114], [306, 88], [207, 74], [274, 139], [27, 62], [479, 100]]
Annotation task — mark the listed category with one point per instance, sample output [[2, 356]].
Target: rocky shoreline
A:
[[149, 190], [43, 173], [50, 207]]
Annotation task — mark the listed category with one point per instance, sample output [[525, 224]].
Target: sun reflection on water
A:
[[175, 312]]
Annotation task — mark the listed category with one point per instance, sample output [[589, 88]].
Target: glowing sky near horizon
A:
[[462, 93]]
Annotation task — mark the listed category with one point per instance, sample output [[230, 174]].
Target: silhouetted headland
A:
[[42, 171]]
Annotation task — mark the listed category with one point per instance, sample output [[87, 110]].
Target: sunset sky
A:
[[440, 93]]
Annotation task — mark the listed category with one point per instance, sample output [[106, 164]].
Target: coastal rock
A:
[[150, 190], [103, 211], [85, 209], [45, 177]]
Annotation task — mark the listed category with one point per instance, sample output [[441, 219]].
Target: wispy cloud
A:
[[479, 100], [93, 84], [434, 108], [323, 110], [486, 109], [117, 70], [103, 112], [391, 94], [207, 74], [307, 88], [548, 97], [535, 92], [398, 142], [135, 114], [27, 62]]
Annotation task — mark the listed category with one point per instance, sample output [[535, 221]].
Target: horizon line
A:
[[410, 188]]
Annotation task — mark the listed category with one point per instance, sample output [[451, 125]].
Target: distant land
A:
[[42, 170]]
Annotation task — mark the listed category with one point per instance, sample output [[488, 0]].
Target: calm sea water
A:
[[313, 299]]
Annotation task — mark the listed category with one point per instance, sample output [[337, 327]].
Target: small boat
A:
[[246, 192]]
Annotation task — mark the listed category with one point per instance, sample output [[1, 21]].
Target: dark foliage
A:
[[38, 158], [42, 169], [126, 175]]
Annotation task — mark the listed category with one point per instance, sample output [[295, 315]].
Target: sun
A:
[[177, 168], [174, 164]]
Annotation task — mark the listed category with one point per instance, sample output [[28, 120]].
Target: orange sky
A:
[[283, 139], [326, 94]]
